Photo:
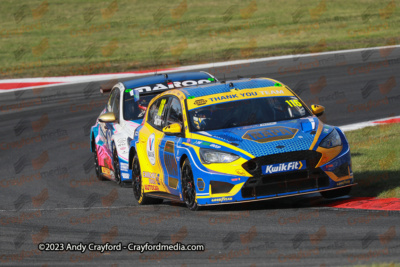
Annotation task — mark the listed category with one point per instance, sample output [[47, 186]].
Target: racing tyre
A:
[[96, 164], [336, 193], [117, 170], [141, 198], [188, 187]]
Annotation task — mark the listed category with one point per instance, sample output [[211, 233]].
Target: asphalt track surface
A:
[[49, 193]]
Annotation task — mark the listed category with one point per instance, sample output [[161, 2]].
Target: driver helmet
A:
[[201, 118]]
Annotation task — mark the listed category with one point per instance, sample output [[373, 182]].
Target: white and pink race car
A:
[[110, 137]]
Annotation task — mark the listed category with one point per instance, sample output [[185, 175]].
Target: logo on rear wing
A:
[[171, 85]]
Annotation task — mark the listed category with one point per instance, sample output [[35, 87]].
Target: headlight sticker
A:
[[204, 143]]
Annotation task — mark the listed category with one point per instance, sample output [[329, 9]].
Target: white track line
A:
[[360, 125], [110, 76], [64, 209], [67, 80]]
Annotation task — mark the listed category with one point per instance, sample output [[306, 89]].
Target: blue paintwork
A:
[[301, 140]]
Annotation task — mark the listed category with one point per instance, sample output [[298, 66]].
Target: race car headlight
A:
[[333, 139], [213, 156]]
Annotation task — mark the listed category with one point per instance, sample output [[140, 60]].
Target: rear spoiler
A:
[[168, 84], [146, 89], [106, 88]]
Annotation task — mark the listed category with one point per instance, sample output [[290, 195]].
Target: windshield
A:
[[246, 112], [135, 107]]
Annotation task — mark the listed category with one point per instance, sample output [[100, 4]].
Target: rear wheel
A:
[[141, 198], [117, 170], [96, 163], [336, 192], [188, 187]]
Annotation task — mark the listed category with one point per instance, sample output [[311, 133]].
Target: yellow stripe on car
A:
[[237, 95]]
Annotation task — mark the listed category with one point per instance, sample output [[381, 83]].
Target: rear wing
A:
[[161, 85], [167, 84]]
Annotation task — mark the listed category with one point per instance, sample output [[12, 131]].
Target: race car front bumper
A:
[[335, 174]]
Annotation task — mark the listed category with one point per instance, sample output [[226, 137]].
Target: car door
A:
[[107, 130], [167, 147], [150, 137]]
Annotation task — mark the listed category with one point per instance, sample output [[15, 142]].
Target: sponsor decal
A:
[[245, 95], [105, 170], [269, 134], [171, 85], [122, 144], [284, 167], [240, 172], [151, 187], [221, 199], [215, 146], [151, 154], [344, 182], [124, 167], [204, 143], [152, 176], [200, 102]]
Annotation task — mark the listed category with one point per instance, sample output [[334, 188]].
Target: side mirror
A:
[[317, 110], [172, 129], [107, 117]]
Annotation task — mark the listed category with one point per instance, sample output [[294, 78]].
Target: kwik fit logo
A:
[[284, 167]]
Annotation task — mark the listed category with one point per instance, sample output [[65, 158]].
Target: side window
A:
[[175, 113], [115, 107], [157, 113], [111, 99], [153, 111]]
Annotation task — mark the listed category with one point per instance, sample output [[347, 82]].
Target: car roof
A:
[[161, 78], [217, 88]]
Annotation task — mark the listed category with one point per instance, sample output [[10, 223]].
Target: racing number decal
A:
[[160, 109], [294, 103]]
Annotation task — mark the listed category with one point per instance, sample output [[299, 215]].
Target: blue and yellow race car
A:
[[239, 141]]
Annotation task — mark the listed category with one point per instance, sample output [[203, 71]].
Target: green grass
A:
[[58, 37], [380, 265], [376, 161]]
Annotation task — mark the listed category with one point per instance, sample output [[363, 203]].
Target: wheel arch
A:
[[182, 160], [132, 153]]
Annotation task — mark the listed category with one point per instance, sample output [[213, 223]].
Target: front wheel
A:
[[336, 192], [140, 196], [117, 170], [188, 187]]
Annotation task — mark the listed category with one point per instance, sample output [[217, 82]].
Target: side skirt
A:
[[164, 195]]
